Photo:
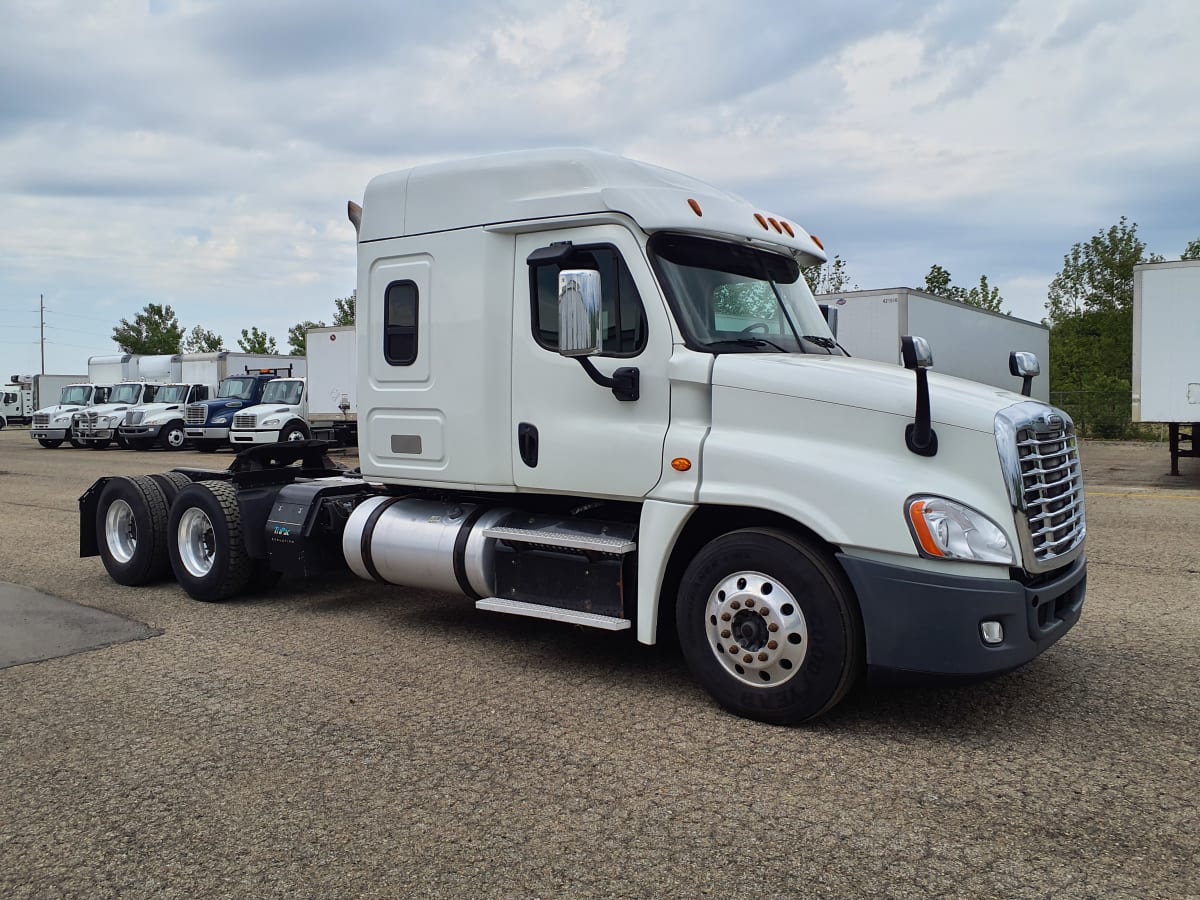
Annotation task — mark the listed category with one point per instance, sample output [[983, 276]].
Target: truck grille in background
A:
[[246, 420], [1052, 488], [134, 418], [196, 414], [41, 420], [89, 418]]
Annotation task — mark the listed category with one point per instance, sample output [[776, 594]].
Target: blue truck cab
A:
[[207, 422]]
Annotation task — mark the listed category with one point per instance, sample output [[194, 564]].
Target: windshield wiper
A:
[[820, 340], [745, 342]]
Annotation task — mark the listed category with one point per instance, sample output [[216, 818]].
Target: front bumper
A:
[[920, 624], [49, 434], [139, 432], [95, 434], [238, 436], [207, 434]]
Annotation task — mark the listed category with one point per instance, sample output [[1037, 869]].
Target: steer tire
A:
[[295, 431], [100, 443], [51, 444], [206, 544], [131, 530], [769, 625], [172, 436], [76, 443]]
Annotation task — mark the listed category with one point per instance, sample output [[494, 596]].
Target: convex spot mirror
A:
[[579, 321]]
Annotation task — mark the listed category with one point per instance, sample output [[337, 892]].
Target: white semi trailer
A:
[[555, 423], [971, 343], [1166, 362]]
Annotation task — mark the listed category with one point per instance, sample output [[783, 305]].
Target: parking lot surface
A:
[[340, 738]]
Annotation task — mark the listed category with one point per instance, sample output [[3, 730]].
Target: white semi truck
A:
[[556, 423], [1166, 363], [971, 343], [278, 416]]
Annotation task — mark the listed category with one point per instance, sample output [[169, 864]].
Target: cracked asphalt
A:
[[340, 738]]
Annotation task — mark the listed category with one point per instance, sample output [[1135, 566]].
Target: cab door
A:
[[569, 434]]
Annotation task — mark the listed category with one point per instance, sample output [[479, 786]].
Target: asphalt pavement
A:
[[340, 738]]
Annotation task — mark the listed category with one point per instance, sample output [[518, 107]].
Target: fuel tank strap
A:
[[364, 543]]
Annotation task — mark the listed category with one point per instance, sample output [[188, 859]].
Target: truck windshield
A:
[[237, 388], [733, 298], [288, 392], [76, 393], [171, 393], [126, 393]]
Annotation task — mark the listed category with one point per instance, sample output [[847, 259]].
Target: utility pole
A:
[[42, 309]]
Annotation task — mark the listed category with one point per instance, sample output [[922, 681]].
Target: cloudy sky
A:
[[200, 153]]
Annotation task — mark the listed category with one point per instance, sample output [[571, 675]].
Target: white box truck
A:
[[16, 404], [52, 423], [99, 425], [555, 424], [47, 389], [162, 422], [971, 343], [1166, 361]]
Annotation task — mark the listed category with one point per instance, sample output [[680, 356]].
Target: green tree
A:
[[1098, 275], [155, 330], [255, 341], [937, 281], [1192, 250], [830, 277], [983, 295], [298, 336], [344, 306], [201, 340]]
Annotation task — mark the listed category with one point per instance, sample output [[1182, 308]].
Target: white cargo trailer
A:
[[1166, 363], [332, 355], [47, 389], [968, 342]]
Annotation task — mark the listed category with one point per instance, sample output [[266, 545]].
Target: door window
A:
[[622, 314]]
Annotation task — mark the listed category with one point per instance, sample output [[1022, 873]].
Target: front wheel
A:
[[50, 444], [769, 626], [172, 436], [206, 542], [296, 431]]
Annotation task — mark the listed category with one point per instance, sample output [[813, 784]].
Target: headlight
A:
[[270, 423], [220, 420], [943, 529]]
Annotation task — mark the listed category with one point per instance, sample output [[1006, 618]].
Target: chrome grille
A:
[[244, 420], [1046, 483], [134, 418], [196, 414], [41, 420]]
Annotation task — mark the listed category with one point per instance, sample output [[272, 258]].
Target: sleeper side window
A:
[[400, 323], [622, 314]]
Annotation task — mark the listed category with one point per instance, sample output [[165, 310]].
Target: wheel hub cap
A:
[[120, 531], [196, 542], [756, 629]]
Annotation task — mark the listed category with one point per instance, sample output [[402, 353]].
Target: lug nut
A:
[[725, 617], [733, 648], [763, 611], [735, 605], [772, 645], [762, 657], [725, 633], [772, 627], [750, 603], [749, 657]]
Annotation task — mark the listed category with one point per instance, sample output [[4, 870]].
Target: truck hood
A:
[[60, 409], [107, 409], [864, 384], [150, 409]]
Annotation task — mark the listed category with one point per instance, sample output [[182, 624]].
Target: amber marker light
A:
[[775, 225], [762, 220], [680, 464], [787, 228], [695, 206], [916, 515], [816, 240]]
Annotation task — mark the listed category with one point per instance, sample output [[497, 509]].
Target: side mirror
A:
[[579, 323], [1023, 364], [919, 437]]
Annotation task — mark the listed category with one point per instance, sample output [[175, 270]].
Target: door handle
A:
[[527, 443]]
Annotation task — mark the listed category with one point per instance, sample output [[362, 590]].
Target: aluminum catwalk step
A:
[[554, 536], [553, 613]]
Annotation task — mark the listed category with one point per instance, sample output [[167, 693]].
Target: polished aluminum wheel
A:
[[756, 629], [197, 543], [120, 531]]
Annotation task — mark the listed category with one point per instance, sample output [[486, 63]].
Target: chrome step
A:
[[553, 613], [561, 537]]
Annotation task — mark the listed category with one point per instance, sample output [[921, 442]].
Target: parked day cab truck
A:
[[52, 424], [207, 423], [553, 425]]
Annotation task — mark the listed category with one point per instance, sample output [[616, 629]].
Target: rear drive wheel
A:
[[50, 444], [207, 546], [171, 483], [769, 626], [172, 436], [131, 523]]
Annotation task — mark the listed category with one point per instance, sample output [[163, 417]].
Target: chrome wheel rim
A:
[[756, 629], [175, 438], [296, 436], [120, 531], [197, 542]]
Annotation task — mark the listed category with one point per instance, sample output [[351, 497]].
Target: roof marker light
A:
[[816, 240], [695, 206], [787, 228], [761, 220], [775, 225]]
